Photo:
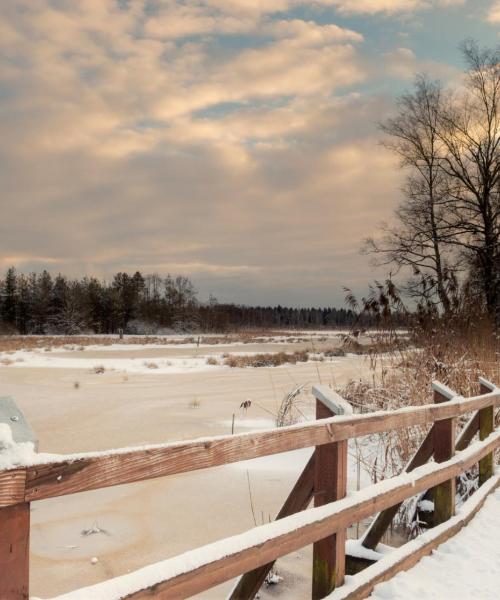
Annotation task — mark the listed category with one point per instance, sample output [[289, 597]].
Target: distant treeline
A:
[[38, 303]]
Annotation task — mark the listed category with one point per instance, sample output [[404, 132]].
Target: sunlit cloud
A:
[[235, 141]]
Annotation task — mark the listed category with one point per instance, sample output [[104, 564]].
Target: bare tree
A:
[[418, 238], [469, 130], [449, 217]]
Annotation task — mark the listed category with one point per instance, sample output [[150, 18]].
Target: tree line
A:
[[38, 303], [446, 230]]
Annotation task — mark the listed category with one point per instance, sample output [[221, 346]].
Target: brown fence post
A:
[[14, 551], [330, 484], [444, 449], [486, 426]]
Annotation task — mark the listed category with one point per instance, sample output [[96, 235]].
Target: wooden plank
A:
[[12, 484], [379, 525], [298, 500], [486, 426], [14, 552], [444, 449], [330, 484], [92, 471], [410, 559], [271, 541], [468, 432]]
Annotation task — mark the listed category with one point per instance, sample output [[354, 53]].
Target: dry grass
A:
[[151, 365], [79, 342], [212, 361], [98, 369], [403, 378], [266, 360]]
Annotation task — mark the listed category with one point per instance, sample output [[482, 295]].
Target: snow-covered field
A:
[[73, 409]]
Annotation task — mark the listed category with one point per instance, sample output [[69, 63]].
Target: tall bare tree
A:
[[418, 237], [450, 142], [469, 130]]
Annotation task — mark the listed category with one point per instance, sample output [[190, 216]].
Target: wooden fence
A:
[[323, 480]]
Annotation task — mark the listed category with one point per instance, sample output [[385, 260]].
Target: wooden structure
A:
[[324, 479]]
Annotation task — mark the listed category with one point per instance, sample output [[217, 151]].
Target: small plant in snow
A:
[[273, 578], [95, 529], [99, 369], [289, 412]]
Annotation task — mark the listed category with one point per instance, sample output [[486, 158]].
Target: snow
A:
[[155, 365], [120, 587], [355, 548], [464, 567], [13, 454], [31, 459], [69, 359], [426, 505], [467, 566]]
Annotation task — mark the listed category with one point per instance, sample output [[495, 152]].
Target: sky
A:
[[232, 141]]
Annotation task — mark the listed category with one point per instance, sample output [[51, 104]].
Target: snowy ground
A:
[[73, 409], [464, 568], [157, 358]]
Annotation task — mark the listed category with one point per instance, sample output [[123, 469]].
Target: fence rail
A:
[[254, 552]]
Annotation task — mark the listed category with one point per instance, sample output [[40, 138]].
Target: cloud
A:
[[224, 139], [389, 7], [494, 12]]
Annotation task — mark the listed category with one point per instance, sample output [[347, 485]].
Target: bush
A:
[[266, 360]]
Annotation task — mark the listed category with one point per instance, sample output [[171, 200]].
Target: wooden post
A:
[[486, 426], [299, 498], [14, 551], [379, 525], [330, 484], [444, 449]]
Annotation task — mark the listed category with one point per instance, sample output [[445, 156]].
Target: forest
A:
[[38, 303]]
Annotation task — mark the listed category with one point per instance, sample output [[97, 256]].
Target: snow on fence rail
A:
[[324, 479]]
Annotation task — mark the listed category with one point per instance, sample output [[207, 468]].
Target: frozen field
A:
[[74, 407]]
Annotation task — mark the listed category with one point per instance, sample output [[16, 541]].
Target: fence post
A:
[[14, 551], [330, 484], [444, 449], [486, 426], [14, 512]]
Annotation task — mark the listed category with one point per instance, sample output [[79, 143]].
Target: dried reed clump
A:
[[266, 360], [151, 365], [99, 369], [79, 342], [403, 378], [211, 360], [290, 410]]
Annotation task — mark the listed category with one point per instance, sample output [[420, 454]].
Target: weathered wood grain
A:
[[379, 526], [12, 484], [96, 471], [486, 426], [330, 484], [341, 516], [14, 552], [444, 449]]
